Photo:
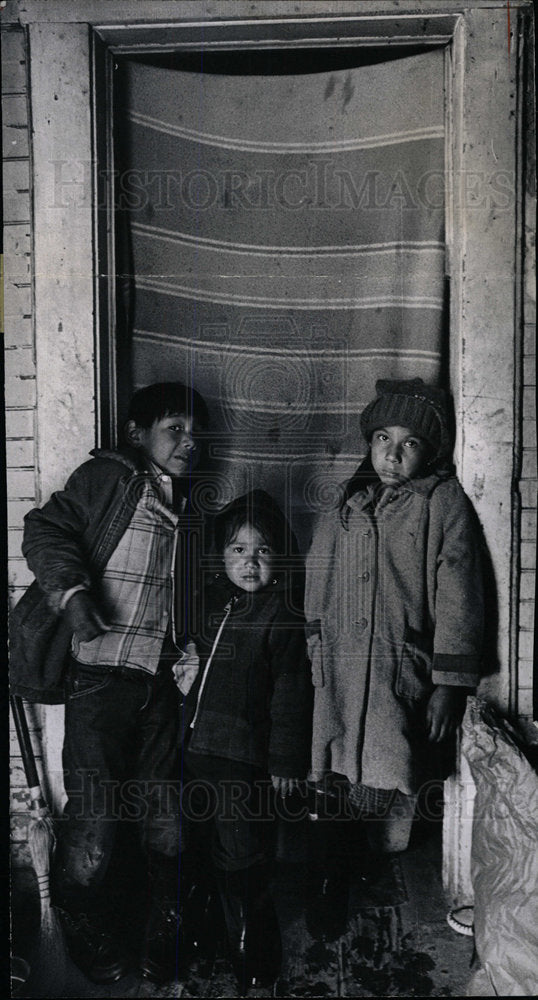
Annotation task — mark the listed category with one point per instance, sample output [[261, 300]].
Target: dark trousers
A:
[[120, 760], [234, 800], [237, 800]]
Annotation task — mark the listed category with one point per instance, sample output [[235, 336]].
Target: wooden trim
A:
[[292, 32], [106, 375], [519, 234], [455, 231], [165, 11], [63, 315]]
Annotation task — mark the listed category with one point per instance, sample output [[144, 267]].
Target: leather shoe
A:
[[252, 927], [96, 951], [203, 921], [327, 910], [160, 953]]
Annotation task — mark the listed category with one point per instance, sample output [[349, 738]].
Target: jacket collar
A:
[[170, 495], [415, 487], [225, 589], [130, 457]]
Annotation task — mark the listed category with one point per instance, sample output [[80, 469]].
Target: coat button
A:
[[362, 623], [367, 532], [366, 575]]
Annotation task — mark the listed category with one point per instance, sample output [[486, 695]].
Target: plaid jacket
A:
[[95, 534]]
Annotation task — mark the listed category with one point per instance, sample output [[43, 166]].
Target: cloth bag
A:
[[504, 853]]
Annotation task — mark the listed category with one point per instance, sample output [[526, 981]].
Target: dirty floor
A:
[[397, 942]]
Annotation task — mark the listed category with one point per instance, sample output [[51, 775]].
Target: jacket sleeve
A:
[[54, 535], [292, 698], [459, 589], [319, 571]]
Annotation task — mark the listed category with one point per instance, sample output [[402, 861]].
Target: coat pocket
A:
[[413, 679], [85, 681]]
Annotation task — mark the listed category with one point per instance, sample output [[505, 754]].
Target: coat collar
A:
[[369, 496], [130, 457], [224, 590]]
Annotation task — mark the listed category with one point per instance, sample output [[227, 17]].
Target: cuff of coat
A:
[[458, 671], [67, 595], [313, 628], [62, 589]]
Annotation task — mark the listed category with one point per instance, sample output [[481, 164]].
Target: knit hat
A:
[[410, 403]]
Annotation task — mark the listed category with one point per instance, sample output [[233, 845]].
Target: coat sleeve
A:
[[54, 535], [292, 698], [459, 588], [320, 563]]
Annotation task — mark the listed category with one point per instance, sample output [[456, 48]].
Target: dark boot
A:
[[327, 910], [97, 952], [90, 924], [162, 946], [252, 927], [203, 919], [163, 937], [327, 907], [94, 944]]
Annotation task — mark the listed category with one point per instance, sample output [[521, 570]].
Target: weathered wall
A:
[[20, 380], [528, 482], [20, 388]]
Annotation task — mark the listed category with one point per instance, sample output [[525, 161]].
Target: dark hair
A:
[[163, 399], [259, 510]]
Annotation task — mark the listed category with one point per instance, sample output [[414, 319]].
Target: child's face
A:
[[398, 454], [248, 560], [172, 443]]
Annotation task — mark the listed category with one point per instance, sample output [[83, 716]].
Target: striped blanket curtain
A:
[[285, 240]]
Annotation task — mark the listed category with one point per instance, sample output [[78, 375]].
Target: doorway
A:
[[280, 242]]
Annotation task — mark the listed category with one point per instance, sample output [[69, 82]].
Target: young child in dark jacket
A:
[[394, 599], [247, 716], [109, 553]]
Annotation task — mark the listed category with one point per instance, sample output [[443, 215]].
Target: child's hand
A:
[[284, 785], [186, 669], [445, 711], [84, 618]]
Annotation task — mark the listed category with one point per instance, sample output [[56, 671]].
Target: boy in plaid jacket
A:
[[111, 552]]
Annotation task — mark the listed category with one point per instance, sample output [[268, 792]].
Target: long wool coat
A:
[[396, 594]]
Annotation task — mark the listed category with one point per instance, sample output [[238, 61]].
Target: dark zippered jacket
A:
[[256, 703]]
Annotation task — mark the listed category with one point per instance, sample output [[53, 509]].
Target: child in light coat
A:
[[394, 603]]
